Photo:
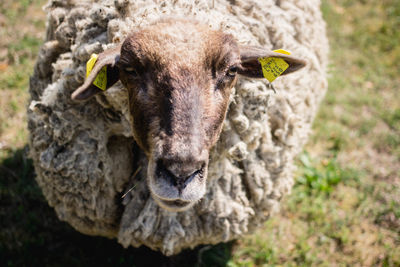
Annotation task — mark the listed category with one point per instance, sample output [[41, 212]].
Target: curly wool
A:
[[84, 153]]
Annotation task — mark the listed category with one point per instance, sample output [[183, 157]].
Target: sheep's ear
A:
[[108, 58], [251, 67]]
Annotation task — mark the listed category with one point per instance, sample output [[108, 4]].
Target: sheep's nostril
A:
[[198, 172], [180, 181], [163, 173]]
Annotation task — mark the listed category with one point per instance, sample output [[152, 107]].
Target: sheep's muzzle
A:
[[176, 183]]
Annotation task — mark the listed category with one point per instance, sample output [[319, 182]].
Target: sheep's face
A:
[[179, 76]]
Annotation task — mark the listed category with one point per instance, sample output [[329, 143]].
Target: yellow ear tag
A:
[[101, 78], [272, 67]]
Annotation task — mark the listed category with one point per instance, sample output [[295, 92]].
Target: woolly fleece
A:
[[84, 154]]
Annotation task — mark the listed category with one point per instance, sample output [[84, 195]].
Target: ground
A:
[[344, 209]]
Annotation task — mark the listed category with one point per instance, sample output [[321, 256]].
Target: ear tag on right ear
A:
[[101, 78], [273, 67]]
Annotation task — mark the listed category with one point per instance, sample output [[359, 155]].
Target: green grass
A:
[[19, 44], [319, 178], [344, 209], [25, 49]]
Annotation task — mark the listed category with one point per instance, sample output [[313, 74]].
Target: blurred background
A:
[[345, 206]]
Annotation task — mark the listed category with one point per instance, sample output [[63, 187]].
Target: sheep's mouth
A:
[[175, 204]]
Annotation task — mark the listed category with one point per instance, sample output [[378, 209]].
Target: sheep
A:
[[98, 167], [179, 75]]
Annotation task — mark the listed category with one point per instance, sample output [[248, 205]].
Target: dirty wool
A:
[[86, 160]]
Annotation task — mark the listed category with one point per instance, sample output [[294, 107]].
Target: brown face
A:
[[179, 75], [179, 91]]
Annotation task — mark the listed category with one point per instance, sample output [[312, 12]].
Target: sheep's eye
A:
[[232, 71], [132, 72]]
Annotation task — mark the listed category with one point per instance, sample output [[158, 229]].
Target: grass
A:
[[345, 206], [19, 45], [319, 178]]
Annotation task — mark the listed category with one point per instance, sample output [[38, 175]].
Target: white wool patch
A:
[[84, 153]]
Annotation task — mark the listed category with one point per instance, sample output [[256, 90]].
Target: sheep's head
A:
[[179, 76]]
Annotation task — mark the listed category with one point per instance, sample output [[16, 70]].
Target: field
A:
[[344, 209]]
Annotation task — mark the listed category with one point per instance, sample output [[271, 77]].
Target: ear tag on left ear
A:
[[273, 67], [101, 78]]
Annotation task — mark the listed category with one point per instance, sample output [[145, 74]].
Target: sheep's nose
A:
[[179, 175]]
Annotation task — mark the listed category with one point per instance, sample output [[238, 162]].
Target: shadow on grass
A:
[[31, 234]]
